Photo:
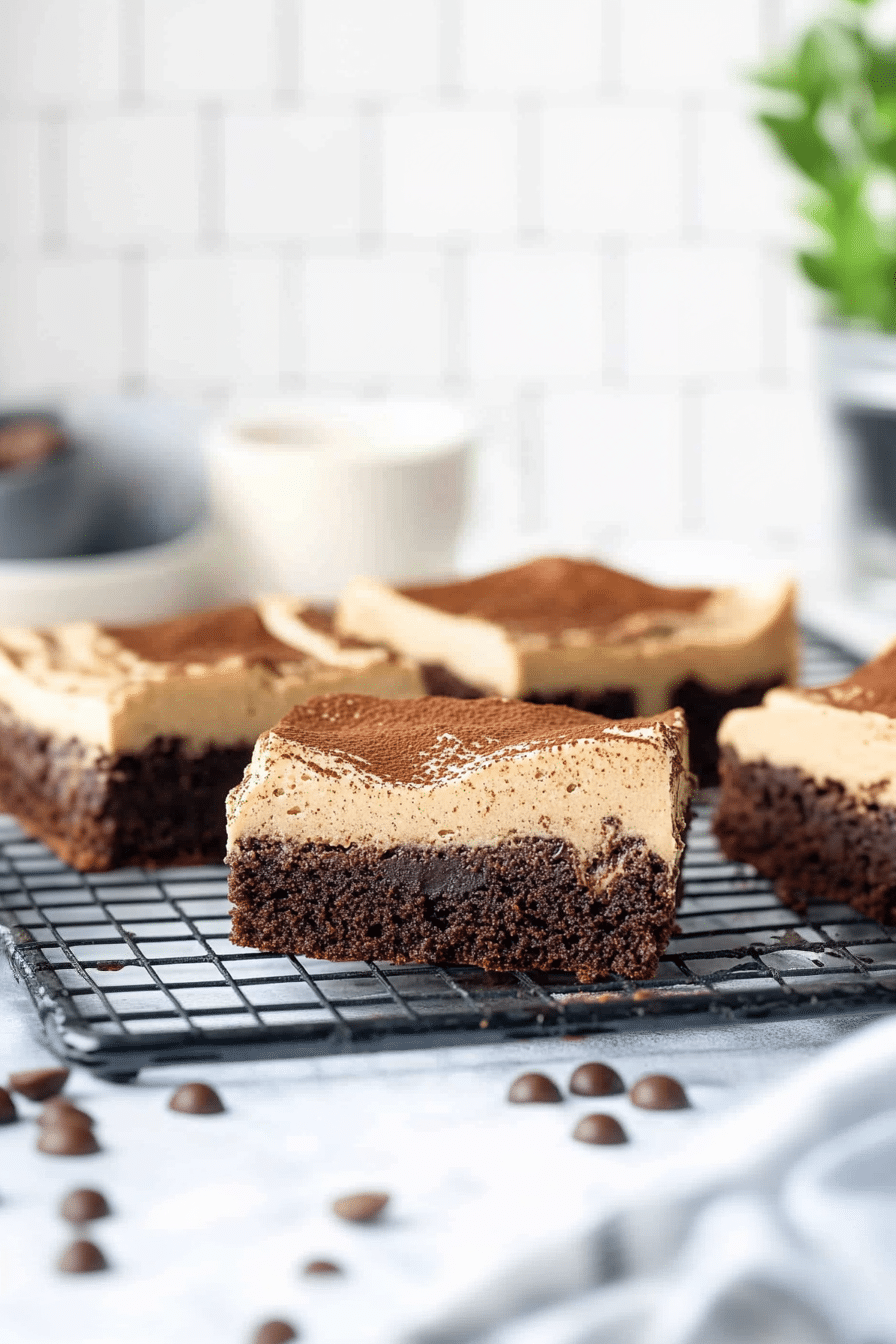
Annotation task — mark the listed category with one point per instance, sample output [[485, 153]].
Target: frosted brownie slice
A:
[[118, 745], [576, 633], [479, 832], [809, 790]]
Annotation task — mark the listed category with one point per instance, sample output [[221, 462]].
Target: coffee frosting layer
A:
[[827, 737], [636, 636], [217, 677], [356, 770]]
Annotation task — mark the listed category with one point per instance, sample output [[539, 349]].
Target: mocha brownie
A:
[[576, 633], [119, 744], [809, 790], [484, 832]]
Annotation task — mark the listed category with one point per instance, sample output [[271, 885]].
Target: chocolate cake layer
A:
[[815, 840], [159, 807], [704, 709], [511, 906]]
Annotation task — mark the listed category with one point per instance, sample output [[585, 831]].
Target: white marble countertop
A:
[[214, 1216]]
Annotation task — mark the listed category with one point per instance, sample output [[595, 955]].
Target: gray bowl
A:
[[47, 509]]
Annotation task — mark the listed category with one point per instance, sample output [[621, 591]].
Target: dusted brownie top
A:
[[419, 742], [215, 677], [556, 625], [554, 594], [358, 770], [870, 689], [206, 637]]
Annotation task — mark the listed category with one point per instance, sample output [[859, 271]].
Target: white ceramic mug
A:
[[309, 493]]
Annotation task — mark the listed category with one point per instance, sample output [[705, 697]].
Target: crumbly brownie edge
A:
[[159, 807], [705, 708], [815, 841], [512, 906]]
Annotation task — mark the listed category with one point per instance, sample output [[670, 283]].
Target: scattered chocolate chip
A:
[[84, 1206], [321, 1267], [38, 1084], [64, 1140], [82, 1257], [533, 1087], [361, 1208], [274, 1332], [596, 1080], [58, 1111], [659, 1092], [599, 1129], [8, 1111], [196, 1099]]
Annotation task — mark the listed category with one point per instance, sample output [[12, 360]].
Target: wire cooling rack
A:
[[133, 969]]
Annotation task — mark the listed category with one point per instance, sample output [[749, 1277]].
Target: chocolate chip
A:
[[67, 1140], [196, 1099], [82, 1257], [659, 1092], [84, 1206], [599, 1129], [38, 1084], [274, 1332], [321, 1267], [360, 1208], [58, 1111], [533, 1087], [8, 1111], [596, 1080]]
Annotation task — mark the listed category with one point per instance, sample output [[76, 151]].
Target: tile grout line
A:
[[613, 259], [455, 316], [370, 113], [450, 45], [132, 53], [133, 319], [288, 79], [691, 456], [530, 169], [611, 49], [52, 178], [210, 184]]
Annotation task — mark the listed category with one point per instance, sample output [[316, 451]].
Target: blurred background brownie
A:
[[809, 790], [118, 745], [574, 632], [490, 833]]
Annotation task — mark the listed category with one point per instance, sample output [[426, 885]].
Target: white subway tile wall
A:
[[557, 209]]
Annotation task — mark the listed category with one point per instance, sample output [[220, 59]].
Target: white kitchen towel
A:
[[773, 1223]]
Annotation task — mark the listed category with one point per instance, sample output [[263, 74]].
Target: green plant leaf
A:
[[800, 140], [817, 269], [840, 136]]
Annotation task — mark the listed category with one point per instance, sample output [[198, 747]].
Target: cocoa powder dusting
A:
[[206, 637], [420, 741], [552, 594], [871, 688]]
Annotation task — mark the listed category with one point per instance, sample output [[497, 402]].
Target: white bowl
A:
[[310, 492], [124, 587]]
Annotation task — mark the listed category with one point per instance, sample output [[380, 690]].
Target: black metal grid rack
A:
[[133, 969]]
